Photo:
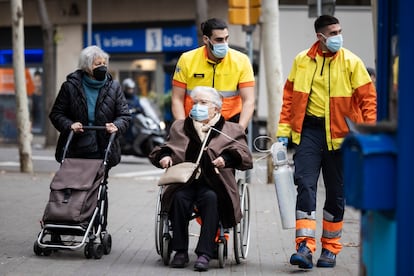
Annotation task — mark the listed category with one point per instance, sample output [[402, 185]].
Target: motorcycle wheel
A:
[[147, 146]]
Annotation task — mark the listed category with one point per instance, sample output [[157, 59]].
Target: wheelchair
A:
[[241, 231]]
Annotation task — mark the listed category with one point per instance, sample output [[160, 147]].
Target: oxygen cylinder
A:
[[284, 184]]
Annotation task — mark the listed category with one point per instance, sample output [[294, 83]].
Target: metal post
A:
[[318, 8], [249, 46], [89, 24]]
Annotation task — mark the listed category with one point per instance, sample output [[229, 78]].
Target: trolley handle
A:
[[88, 128], [94, 127]]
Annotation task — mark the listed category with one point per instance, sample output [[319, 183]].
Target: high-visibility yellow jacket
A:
[[233, 72], [350, 89]]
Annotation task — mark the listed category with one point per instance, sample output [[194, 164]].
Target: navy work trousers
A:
[[310, 157]]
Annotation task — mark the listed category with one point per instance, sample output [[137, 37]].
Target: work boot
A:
[[327, 259], [303, 257]]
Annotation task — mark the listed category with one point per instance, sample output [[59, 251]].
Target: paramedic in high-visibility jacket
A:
[[326, 84], [215, 65]]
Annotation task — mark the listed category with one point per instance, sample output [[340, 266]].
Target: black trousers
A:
[[310, 157], [200, 195]]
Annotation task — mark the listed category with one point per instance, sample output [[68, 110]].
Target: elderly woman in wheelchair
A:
[[214, 190]]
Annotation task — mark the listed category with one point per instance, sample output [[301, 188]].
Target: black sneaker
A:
[[302, 258], [327, 259], [202, 263], [180, 260]]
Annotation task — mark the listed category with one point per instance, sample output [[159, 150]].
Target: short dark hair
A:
[[323, 21], [211, 24]]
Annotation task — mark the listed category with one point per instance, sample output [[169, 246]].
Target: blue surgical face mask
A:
[[334, 43], [199, 112], [219, 50]]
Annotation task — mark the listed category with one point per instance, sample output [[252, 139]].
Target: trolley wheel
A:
[[98, 250], [37, 249], [221, 254], [88, 251], [47, 251], [106, 243]]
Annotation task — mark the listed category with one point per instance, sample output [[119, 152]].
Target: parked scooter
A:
[[145, 132], [145, 129]]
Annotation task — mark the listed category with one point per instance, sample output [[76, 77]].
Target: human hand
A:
[[166, 162], [111, 127], [219, 162], [283, 140], [77, 127]]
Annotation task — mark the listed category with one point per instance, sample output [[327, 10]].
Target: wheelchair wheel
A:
[[236, 241], [242, 230], [245, 225], [158, 229], [222, 256], [165, 239]]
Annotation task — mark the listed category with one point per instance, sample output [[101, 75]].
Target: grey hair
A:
[[216, 98], [89, 54]]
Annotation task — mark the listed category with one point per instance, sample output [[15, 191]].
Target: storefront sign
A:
[[7, 86], [146, 40]]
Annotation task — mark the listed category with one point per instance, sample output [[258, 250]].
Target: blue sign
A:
[[30, 56], [150, 40]]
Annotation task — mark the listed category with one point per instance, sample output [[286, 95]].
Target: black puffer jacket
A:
[[70, 106]]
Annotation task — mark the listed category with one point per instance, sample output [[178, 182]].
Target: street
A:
[[132, 199]]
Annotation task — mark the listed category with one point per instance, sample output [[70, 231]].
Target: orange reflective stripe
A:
[[231, 106], [332, 230], [332, 245], [246, 84], [310, 243], [188, 104], [179, 84], [332, 226], [306, 228], [306, 223]]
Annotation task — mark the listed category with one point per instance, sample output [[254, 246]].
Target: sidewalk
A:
[[131, 224]]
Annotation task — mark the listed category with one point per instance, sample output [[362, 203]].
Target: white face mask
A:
[[333, 43]]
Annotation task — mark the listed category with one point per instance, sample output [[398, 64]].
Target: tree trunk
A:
[[272, 68], [22, 108], [49, 71]]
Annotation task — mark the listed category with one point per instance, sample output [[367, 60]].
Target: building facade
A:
[[145, 38]]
